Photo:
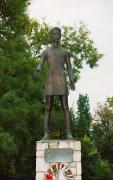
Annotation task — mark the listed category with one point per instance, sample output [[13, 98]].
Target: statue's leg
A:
[[48, 109], [64, 104]]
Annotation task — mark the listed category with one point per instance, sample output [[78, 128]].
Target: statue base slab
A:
[[64, 167]]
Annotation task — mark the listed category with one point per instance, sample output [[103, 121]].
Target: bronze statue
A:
[[56, 58]]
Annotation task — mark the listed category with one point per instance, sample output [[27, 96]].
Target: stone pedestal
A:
[[42, 166]]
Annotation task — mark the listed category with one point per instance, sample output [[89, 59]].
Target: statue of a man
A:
[[56, 58]]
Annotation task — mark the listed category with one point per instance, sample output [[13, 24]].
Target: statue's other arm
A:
[[40, 66], [70, 71]]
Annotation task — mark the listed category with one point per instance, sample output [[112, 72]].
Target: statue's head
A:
[[55, 34]]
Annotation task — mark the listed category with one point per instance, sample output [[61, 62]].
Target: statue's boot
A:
[[46, 129], [46, 136], [69, 134]]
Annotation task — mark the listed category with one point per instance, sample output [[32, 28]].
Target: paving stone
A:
[[63, 144], [40, 176], [77, 156], [79, 168], [75, 145], [41, 146], [40, 153], [53, 145], [41, 165], [78, 178]]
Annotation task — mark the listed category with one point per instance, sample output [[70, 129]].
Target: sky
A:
[[98, 16]]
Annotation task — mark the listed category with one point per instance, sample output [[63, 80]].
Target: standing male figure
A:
[[56, 57]]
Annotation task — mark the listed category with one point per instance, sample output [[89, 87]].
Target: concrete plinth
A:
[[42, 166]]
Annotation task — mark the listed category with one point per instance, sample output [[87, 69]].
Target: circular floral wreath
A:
[[54, 170]]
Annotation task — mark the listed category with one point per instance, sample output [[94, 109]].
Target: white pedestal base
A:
[[42, 166]]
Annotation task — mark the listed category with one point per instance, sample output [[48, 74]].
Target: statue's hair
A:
[[55, 28]]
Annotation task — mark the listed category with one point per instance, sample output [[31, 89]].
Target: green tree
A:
[[8, 153], [19, 107], [94, 168], [83, 118], [103, 130]]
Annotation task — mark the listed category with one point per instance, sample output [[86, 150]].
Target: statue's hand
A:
[[36, 74], [72, 85]]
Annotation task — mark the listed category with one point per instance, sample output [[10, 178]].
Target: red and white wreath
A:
[[59, 171]]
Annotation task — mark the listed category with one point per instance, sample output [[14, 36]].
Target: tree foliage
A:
[[20, 98], [103, 130], [83, 117], [94, 168]]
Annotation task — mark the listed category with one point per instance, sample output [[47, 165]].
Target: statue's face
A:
[[56, 35]]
